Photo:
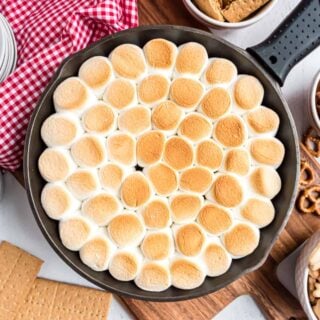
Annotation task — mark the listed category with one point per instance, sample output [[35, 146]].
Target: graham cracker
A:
[[51, 300], [212, 8], [18, 270], [238, 10]]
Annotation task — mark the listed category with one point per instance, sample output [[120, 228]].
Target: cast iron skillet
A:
[[288, 35]]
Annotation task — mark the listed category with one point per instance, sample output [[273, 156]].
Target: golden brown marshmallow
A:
[[163, 179], [248, 92], [195, 179], [227, 191], [186, 92], [128, 61], [214, 219], [190, 239], [166, 116], [209, 154], [215, 103], [178, 153], [191, 58], [135, 190], [150, 147]]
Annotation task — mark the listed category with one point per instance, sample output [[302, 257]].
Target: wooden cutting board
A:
[[262, 284]]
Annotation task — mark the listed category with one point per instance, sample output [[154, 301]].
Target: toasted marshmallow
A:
[[263, 120], [195, 127], [154, 88], [160, 55], [186, 274], [96, 253], [186, 92], [60, 130], [191, 60], [121, 148], [88, 151], [178, 153], [157, 245], [265, 181], [111, 176], [135, 120], [269, 151], [195, 179], [185, 207], [216, 259], [126, 229], [237, 161], [96, 72], [153, 277], [128, 61], [156, 214], [259, 212], [214, 219], [74, 232], [125, 265], [219, 72], [231, 131], [163, 178], [83, 183], [72, 95], [135, 190], [150, 148], [55, 164], [99, 119], [215, 103], [166, 116], [209, 154], [227, 191], [189, 239], [101, 208], [241, 240], [120, 94], [57, 201], [248, 92]]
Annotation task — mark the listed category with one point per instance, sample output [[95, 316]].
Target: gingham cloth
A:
[[47, 31]]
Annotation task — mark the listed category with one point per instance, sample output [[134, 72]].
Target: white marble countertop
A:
[[18, 226]]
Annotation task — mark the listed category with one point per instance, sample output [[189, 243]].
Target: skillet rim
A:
[[78, 267]]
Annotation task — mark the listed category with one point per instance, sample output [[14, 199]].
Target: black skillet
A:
[[293, 39]]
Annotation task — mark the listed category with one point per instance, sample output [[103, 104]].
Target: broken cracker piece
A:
[[212, 8], [238, 10]]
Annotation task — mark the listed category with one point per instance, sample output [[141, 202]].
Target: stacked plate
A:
[[8, 49]]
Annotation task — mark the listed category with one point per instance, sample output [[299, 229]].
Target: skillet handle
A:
[[294, 39]]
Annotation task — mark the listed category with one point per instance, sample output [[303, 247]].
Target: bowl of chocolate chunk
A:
[[229, 13]]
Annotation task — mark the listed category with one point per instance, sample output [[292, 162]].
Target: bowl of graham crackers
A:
[[230, 14]]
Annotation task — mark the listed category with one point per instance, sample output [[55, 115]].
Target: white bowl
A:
[[313, 106], [213, 23], [301, 274]]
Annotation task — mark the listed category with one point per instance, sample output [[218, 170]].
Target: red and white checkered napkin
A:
[[47, 31]]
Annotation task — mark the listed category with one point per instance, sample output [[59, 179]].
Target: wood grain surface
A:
[[262, 284]]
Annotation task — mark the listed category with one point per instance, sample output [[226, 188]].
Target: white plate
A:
[[14, 47], [10, 51], [3, 44]]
